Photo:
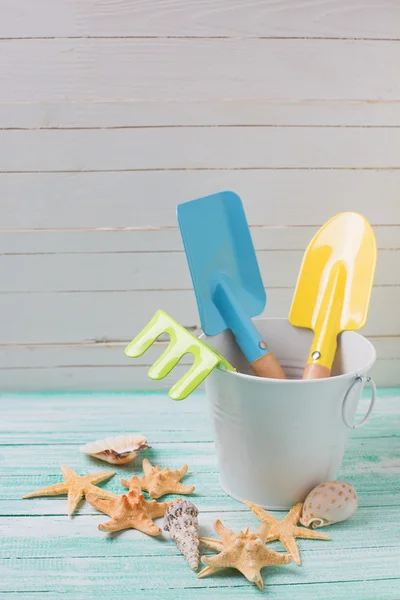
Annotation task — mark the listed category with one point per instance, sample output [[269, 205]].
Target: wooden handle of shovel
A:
[[268, 366], [314, 371]]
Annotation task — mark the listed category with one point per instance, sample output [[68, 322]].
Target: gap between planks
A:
[[194, 126], [202, 37]]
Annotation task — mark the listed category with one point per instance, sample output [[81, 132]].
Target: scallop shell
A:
[[117, 450], [329, 503], [181, 522]]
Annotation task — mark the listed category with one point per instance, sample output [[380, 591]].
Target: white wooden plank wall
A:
[[113, 112]]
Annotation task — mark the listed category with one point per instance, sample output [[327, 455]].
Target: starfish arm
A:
[[100, 492], [75, 495], [309, 534], [145, 524], [215, 544], [98, 477], [290, 544], [260, 513], [105, 506], [253, 574], [179, 473], [145, 482], [135, 486], [180, 488], [115, 524], [293, 516], [156, 491], [132, 484], [51, 490], [156, 509], [272, 535], [226, 558], [225, 534], [259, 582], [68, 473], [206, 571], [262, 531], [270, 557], [147, 466]]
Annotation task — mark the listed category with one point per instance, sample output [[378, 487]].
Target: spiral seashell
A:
[[328, 503], [181, 522]]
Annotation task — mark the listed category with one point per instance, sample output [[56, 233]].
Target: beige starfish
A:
[[245, 551], [286, 531], [75, 486], [160, 482], [130, 511]]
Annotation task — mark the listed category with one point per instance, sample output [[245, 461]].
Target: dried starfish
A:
[[286, 531], [130, 511], [75, 486], [160, 482], [245, 551]]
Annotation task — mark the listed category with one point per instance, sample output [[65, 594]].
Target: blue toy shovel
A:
[[225, 274]]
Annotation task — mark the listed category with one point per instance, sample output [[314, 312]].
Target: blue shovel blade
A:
[[220, 252]]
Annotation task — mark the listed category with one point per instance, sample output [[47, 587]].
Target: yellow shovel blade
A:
[[335, 283]]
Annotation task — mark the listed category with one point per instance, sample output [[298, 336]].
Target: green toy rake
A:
[[181, 342]]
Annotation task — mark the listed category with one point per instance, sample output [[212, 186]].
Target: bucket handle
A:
[[363, 379]]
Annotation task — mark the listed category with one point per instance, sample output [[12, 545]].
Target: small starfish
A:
[[75, 486], [286, 531], [159, 482], [245, 551], [130, 511]]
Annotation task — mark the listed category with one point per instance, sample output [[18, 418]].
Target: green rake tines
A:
[[181, 342]]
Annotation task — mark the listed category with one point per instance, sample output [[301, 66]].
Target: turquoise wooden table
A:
[[45, 554]]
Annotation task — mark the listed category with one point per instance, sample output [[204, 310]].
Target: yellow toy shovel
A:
[[334, 286], [181, 342]]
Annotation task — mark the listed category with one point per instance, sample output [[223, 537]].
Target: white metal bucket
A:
[[277, 439]]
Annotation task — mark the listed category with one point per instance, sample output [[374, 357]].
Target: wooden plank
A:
[[177, 422], [386, 373], [114, 316], [95, 69], [196, 427], [254, 111], [344, 590], [83, 378], [44, 553], [79, 573], [99, 241], [176, 18], [108, 354], [54, 422], [374, 489], [56, 406], [139, 199], [199, 148], [101, 367], [27, 537], [372, 460], [148, 271], [369, 465], [376, 486]]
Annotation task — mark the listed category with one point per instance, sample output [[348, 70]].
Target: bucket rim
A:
[[264, 380]]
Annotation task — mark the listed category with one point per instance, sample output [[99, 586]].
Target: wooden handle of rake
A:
[[315, 371], [268, 366]]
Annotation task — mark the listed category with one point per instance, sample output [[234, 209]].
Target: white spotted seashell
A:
[[329, 503], [181, 522], [117, 450]]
